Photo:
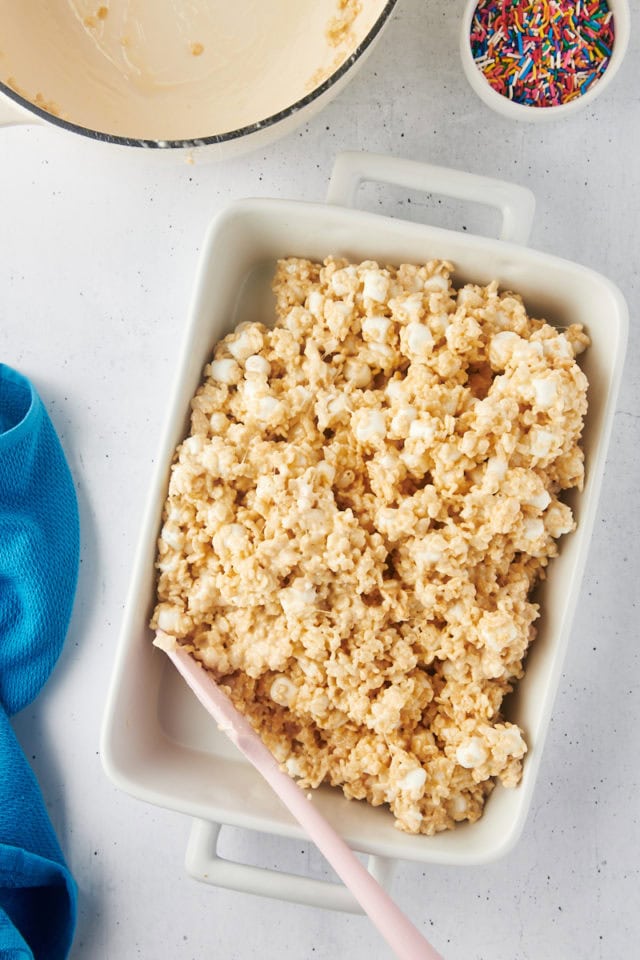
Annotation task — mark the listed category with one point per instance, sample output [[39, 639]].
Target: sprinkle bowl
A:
[[530, 112]]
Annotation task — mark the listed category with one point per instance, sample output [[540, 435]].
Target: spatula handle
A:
[[402, 936]]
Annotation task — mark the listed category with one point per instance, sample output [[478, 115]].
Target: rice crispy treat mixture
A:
[[353, 529]]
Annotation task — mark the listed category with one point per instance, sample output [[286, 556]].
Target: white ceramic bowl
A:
[[521, 111], [158, 742]]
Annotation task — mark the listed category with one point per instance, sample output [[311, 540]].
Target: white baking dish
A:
[[158, 744]]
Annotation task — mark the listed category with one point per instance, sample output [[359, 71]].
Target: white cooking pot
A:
[[217, 77]]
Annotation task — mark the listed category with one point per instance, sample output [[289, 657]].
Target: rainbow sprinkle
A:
[[545, 53]]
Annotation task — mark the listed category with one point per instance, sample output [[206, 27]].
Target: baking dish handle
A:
[[516, 204], [204, 863]]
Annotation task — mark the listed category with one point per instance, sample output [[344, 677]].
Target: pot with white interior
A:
[[219, 79]]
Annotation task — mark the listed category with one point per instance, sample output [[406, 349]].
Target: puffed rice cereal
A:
[[354, 526]]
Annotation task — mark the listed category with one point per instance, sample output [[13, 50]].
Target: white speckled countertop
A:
[[97, 257]]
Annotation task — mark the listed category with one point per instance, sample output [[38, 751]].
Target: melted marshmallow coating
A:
[[368, 495]]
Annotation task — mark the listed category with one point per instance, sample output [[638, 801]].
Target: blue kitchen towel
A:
[[39, 555]]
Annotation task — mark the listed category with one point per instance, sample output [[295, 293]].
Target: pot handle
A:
[[517, 204], [202, 862], [11, 114]]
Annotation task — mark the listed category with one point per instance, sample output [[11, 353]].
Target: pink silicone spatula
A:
[[401, 935]]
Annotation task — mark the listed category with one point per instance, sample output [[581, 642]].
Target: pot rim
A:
[[217, 138]]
